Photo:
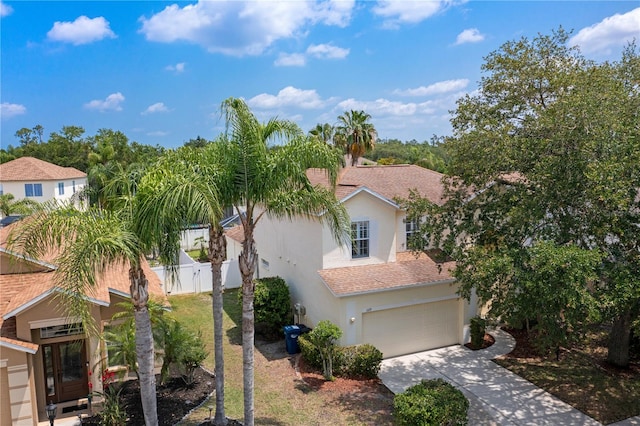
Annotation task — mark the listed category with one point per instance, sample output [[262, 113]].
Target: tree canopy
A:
[[542, 208]]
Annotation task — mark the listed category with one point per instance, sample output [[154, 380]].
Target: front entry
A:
[[65, 371]]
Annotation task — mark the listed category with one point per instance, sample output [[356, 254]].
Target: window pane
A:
[[60, 188], [37, 189], [28, 190], [360, 239]]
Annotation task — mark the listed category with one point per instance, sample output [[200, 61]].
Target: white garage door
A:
[[414, 328]]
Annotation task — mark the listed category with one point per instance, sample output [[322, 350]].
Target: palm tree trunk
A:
[[144, 345], [247, 260], [217, 255]]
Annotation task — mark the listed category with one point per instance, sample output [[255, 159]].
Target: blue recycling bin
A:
[[291, 334]]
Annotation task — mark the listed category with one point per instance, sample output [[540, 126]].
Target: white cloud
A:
[[435, 88], [157, 133], [111, 103], [470, 35], [157, 107], [291, 60], [335, 12], [178, 68], [241, 28], [8, 110], [288, 97], [5, 9], [613, 31], [409, 12], [379, 107], [327, 51], [81, 31]]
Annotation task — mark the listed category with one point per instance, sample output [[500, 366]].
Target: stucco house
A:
[[45, 355], [41, 181], [374, 289]]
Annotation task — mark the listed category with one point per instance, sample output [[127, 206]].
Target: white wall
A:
[[49, 189], [188, 240]]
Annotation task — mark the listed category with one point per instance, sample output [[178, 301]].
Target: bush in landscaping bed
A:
[[360, 361], [272, 304], [431, 402], [348, 361]]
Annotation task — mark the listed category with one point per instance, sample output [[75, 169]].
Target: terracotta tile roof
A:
[[29, 168], [236, 233], [388, 181], [28, 346], [406, 271]]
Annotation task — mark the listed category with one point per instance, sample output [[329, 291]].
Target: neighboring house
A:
[[45, 355], [28, 177], [374, 289]]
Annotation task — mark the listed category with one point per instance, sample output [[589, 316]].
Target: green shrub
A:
[[310, 354], [477, 330], [192, 357], [362, 361], [272, 305], [348, 361], [431, 403]]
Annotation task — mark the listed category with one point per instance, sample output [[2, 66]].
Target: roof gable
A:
[[390, 182], [33, 169]]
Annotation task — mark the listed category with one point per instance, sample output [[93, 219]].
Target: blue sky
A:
[[158, 70]]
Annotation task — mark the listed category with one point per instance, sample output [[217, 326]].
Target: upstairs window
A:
[[360, 239], [33, 190], [73, 186], [60, 188], [411, 228]]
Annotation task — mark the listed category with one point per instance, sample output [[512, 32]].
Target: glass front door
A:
[[65, 371]]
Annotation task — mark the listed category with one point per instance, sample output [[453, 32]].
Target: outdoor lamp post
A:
[[52, 410]]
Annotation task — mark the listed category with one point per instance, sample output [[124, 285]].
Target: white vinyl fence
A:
[[195, 277]]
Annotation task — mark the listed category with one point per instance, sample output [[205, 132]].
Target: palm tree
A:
[[272, 181], [186, 187], [355, 134], [9, 206], [90, 242], [322, 132]]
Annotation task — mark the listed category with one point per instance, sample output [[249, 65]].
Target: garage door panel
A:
[[414, 328]]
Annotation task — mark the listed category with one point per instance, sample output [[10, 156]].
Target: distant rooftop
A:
[[30, 168]]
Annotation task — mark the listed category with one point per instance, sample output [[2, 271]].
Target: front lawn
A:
[[581, 378], [283, 396]]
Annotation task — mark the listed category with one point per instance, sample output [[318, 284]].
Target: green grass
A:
[[196, 313], [582, 380], [278, 398]]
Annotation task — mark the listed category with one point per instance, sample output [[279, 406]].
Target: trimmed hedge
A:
[[348, 361], [431, 403]]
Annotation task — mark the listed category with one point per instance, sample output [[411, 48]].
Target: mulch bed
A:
[[175, 399], [486, 342]]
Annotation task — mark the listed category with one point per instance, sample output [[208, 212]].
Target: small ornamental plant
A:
[[112, 413]]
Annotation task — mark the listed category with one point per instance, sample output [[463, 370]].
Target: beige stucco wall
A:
[[16, 376], [5, 402]]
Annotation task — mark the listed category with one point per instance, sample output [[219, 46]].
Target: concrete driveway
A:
[[496, 395]]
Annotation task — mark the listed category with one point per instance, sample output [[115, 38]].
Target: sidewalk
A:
[[497, 397]]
